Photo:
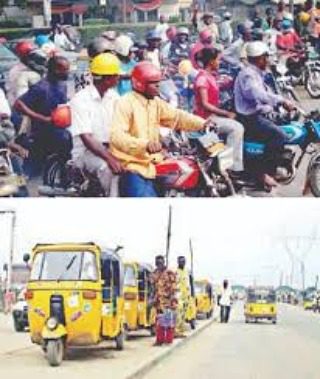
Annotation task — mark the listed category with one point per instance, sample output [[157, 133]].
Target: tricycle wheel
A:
[[247, 320], [120, 341], [274, 321], [55, 352], [153, 330]]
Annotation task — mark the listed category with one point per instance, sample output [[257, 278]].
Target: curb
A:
[[145, 367]]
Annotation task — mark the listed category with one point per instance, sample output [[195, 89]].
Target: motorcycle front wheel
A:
[[312, 84]]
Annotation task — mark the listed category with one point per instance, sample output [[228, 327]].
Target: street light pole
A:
[[12, 246]]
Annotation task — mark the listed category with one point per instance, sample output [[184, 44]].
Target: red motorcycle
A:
[[197, 168]]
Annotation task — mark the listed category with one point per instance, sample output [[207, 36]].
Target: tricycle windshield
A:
[[261, 296], [64, 266], [199, 288], [129, 276]]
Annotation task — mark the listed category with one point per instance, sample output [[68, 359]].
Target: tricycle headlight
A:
[[52, 323]]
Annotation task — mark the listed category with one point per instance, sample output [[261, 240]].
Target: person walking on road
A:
[[165, 302], [225, 302]]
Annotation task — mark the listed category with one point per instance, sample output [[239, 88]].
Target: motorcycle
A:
[[62, 178], [304, 135], [11, 184], [304, 69], [280, 81], [196, 167]]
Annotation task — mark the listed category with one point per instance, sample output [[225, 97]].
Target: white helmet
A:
[[227, 15], [256, 49], [122, 45]]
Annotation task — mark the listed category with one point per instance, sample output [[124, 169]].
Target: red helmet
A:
[[143, 73], [61, 116], [205, 34], [23, 48]]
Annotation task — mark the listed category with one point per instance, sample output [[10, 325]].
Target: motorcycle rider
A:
[[207, 95], [205, 40], [91, 123], [123, 46], [226, 31], [38, 104], [165, 50], [180, 48], [135, 131], [208, 23], [235, 54], [253, 101], [153, 50], [288, 40]]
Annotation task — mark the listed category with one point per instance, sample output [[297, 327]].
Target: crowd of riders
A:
[[111, 124]]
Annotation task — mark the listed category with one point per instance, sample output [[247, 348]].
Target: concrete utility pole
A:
[[291, 4], [12, 240], [47, 12]]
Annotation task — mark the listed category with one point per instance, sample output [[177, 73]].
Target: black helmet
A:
[[99, 45]]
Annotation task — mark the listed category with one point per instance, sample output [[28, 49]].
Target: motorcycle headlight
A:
[[52, 323]]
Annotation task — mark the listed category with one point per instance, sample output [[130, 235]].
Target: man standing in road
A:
[[225, 302], [165, 286], [183, 295]]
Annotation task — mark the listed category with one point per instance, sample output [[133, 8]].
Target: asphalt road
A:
[[288, 350]]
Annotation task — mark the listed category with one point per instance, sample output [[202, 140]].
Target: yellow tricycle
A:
[[260, 304], [138, 303], [204, 298], [75, 297]]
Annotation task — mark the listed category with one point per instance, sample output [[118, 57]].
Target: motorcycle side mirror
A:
[[26, 258]]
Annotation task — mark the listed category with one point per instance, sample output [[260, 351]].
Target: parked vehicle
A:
[[138, 307], [20, 313], [75, 297], [204, 298]]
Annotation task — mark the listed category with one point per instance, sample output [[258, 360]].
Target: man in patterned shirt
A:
[[165, 286]]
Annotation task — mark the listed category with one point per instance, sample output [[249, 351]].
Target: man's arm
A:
[[101, 151], [173, 118], [253, 90], [20, 106]]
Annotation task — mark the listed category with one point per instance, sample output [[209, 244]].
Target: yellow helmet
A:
[[105, 64], [185, 67], [304, 18]]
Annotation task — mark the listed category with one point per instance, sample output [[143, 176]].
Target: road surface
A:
[[288, 350]]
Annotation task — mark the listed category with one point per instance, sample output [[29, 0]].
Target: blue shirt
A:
[[251, 93], [43, 98], [124, 85]]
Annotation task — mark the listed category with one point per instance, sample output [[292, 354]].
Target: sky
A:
[[248, 241]]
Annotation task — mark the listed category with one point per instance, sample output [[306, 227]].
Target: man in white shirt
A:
[[92, 110], [225, 302], [5, 110], [162, 28]]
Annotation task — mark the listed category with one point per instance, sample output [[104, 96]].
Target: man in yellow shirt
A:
[[135, 130]]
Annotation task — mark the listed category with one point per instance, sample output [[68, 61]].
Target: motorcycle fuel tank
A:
[[178, 173]]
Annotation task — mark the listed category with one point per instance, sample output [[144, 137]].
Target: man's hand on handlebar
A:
[[210, 124], [154, 147], [288, 106]]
